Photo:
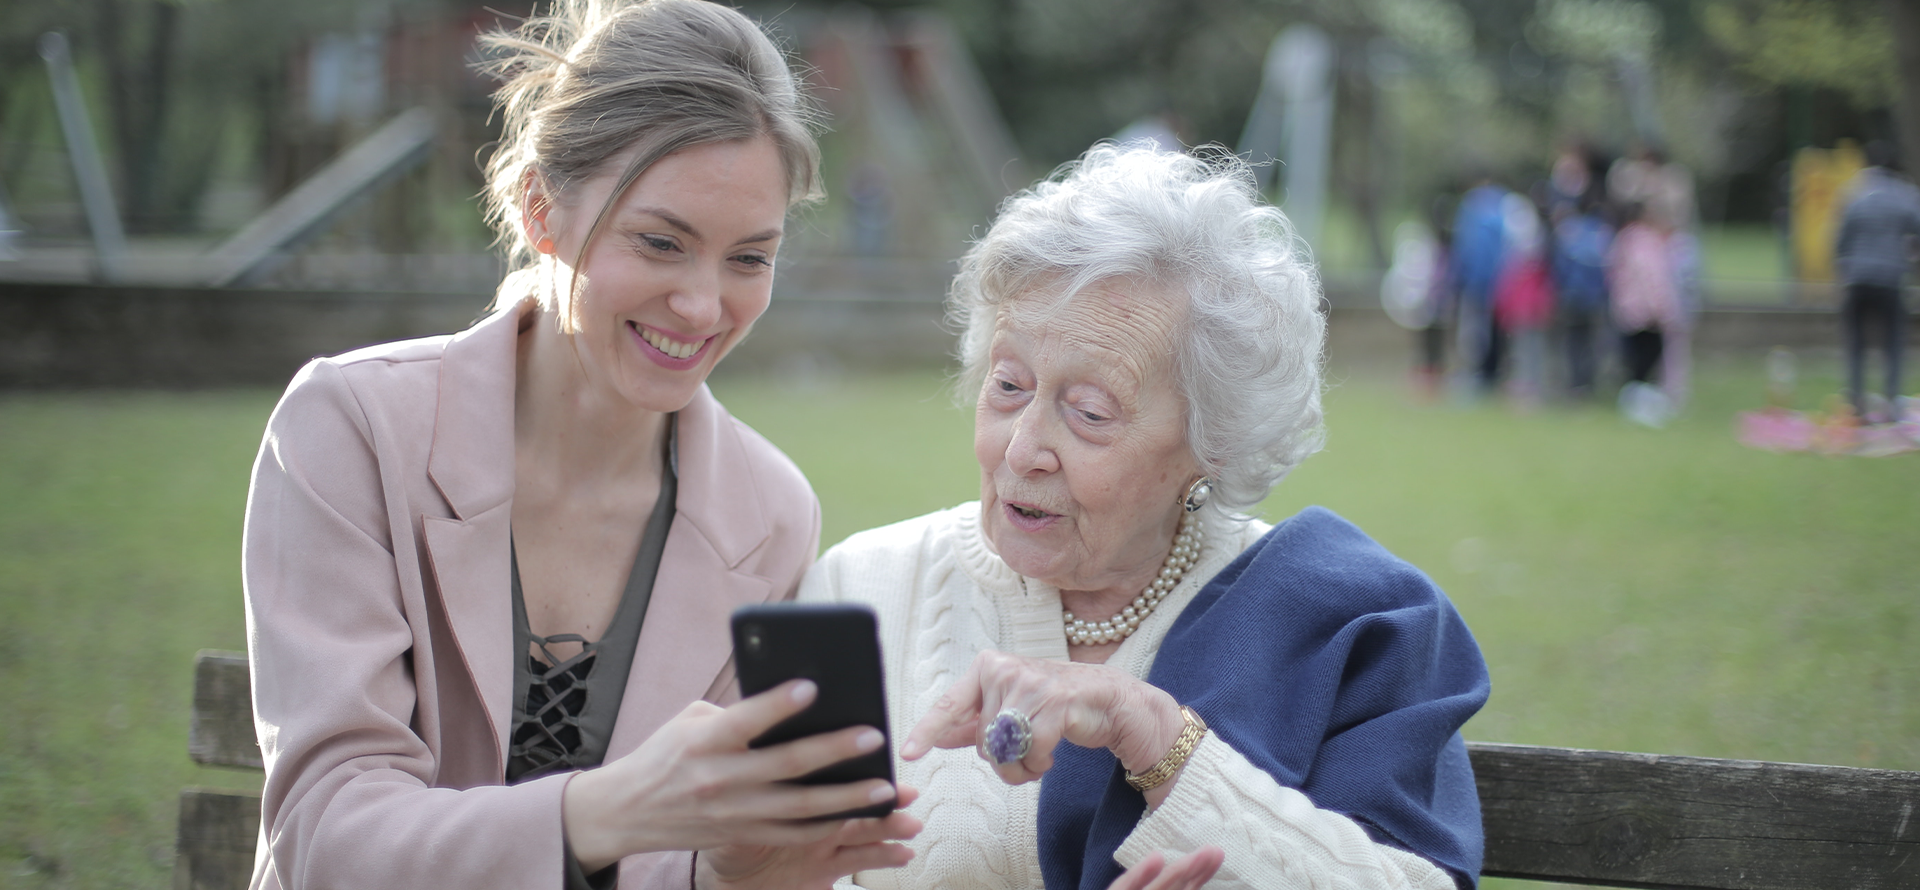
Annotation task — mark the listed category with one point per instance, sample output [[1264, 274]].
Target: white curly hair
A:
[[1251, 343]]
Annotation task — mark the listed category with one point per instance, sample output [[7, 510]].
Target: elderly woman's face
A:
[[1081, 437]]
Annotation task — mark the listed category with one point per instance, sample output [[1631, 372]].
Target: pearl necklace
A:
[[1185, 552]]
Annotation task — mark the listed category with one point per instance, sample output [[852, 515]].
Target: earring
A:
[[1197, 494], [543, 244]]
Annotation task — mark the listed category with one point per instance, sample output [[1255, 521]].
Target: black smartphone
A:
[[837, 646]]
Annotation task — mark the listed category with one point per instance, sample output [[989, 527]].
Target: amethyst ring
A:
[[1009, 736]]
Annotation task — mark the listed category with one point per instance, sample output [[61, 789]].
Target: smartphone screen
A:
[[837, 646]]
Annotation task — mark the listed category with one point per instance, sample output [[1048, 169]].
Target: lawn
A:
[[1632, 589]]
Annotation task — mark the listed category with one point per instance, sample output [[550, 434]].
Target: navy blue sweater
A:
[[1337, 668]]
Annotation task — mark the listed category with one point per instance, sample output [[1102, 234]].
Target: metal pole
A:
[[9, 231], [1303, 57], [109, 240]]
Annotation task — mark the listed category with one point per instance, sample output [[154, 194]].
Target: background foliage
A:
[[201, 107]]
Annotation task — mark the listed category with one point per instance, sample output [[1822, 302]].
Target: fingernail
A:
[[869, 740], [804, 691], [882, 794]]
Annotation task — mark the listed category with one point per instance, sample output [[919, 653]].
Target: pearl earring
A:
[[1197, 494]]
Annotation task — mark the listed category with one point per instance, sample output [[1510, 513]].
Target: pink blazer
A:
[[379, 618]]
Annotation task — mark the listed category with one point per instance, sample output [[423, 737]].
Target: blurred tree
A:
[[137, 39], [1903, 18], [167, 80], [1841, 44], [1866, 50]]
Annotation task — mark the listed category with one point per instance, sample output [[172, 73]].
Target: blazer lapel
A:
[[471, 462], [686, 643]]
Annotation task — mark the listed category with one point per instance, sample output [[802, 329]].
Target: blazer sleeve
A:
[[349, 799]]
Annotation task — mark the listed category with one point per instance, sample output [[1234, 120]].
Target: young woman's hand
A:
[[695, 785], [857, 845], [1191, 872]]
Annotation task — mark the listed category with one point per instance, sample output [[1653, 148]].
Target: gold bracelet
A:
[[1176, 758]]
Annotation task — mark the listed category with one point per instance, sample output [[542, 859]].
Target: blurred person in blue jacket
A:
[[1582, 238], [1479, 254]]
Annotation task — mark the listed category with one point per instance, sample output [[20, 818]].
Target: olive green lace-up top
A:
[[564, 709]]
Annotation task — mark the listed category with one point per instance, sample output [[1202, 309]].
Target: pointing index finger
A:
[[953, 722]]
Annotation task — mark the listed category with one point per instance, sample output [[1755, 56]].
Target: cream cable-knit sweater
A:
[[943, 595]]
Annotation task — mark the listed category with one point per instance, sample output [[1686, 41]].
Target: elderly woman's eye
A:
[[1092, 416], [1007, 386]]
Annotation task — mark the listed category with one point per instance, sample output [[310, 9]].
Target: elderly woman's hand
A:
[[1190, 872], [1090, 705], [694, 784]]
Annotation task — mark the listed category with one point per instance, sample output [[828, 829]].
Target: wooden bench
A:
[[219, 829], [1551, 814]]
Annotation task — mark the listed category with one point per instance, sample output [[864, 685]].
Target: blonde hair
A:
[[591, 79]]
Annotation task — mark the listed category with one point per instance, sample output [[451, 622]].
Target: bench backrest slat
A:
[[1642, 820], [219, 831], [222, 730]]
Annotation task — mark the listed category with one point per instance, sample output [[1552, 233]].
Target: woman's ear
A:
[[536, 205]]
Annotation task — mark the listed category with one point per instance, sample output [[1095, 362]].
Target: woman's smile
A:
[[666, 351]]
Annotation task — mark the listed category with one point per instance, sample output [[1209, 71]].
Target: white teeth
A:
[[673, 348]]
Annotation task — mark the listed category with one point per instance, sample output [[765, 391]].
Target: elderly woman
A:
[[1145, 340], [487, 575]]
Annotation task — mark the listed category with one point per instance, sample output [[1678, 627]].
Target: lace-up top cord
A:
[[550, 733]]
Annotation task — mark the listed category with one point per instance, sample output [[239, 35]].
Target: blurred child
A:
[[1582, 239], [1523, 299], [1416, 293], [1646, 306]]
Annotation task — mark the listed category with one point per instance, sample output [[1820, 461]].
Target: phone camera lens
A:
[[753, 639]]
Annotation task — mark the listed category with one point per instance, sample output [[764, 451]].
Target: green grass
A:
[[1667, 591], [1742, 253], [877, 449], [1632, 589], [119, 556]]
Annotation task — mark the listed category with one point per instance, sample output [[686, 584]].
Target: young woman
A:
[[488, 574]]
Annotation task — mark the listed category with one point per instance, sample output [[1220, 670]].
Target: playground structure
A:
[[917, 155], [916, 160]]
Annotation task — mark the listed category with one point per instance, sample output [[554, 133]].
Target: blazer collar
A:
[[718, 492], [471, 459]]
